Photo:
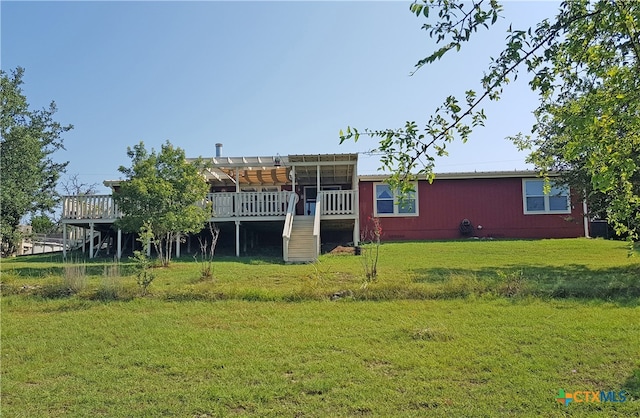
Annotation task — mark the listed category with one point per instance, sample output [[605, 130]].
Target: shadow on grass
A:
[[569, 281], [247, 260], [95, 268], [632, 385], [40, 266]]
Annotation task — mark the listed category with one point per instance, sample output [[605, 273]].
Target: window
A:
[[390, 202], [536, 201]]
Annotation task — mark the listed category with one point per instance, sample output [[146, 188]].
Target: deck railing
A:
[[338, 202], [288, 224], [223, 205], [229, 204], [316, 228], [89, 207]]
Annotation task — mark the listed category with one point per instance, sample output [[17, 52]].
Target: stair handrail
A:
[[316, 223], [288, 224]]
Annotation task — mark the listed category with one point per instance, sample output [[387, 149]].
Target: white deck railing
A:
[[89, 207], [229, 204], [316, 227], [288, 224], [223, 205], [338, 202]]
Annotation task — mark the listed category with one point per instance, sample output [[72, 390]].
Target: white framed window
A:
[[536, 201], [390, 202]]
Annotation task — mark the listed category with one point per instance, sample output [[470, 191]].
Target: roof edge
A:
[[466, 175]]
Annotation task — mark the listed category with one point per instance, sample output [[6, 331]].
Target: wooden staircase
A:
[[302, 247]]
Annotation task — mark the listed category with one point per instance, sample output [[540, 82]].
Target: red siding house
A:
[[484, 205], [302, 202]]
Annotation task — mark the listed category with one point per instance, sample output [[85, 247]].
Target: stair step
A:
[[302, 242]]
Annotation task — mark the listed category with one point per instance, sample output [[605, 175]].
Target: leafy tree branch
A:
[[583, 64]]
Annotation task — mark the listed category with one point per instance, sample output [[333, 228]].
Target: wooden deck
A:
[[227, 206]]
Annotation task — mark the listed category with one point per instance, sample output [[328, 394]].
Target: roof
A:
[[334, 168], [273, 170], [466, 175], [251, 171]]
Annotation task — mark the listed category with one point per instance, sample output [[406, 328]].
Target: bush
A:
[[110, 287], [75, 277]]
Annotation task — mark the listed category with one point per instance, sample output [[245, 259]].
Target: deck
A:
[[226, 206]]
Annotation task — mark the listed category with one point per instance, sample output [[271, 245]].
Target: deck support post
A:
[[178, 245], [91, 240], [64, 241], [237, 238], [244, 240], [585, 218], [119, 250]]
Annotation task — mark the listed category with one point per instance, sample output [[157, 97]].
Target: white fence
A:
[[89, 207], [338, 202], [223, 205], [229, 204]]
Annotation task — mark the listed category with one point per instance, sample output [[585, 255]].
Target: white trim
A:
[[465, 175], [546, 210], [275, 188], [313, 202], [396, 213]]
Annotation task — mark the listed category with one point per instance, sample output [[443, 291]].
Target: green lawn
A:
[[473, 328]]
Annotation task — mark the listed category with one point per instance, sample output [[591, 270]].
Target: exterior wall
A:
[[494, 203]]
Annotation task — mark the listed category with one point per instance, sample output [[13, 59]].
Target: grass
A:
[[579, 268], [444, 358], [491, 328]]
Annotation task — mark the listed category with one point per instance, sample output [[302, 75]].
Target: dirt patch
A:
[[342, 250]]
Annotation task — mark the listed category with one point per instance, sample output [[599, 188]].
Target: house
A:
[[290, 201], [296, 203], [509, 204]]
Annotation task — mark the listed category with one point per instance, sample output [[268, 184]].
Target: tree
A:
[[584, 65], [164, 194], [42, 224], [73, 186], [28, 172]]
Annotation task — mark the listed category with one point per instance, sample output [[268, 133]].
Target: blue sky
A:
[[263, 78]]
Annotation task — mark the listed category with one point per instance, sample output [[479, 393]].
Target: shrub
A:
[[512, 284], [207, 250], [75, 277], [144, 274], [110, 287], [370, 237]]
